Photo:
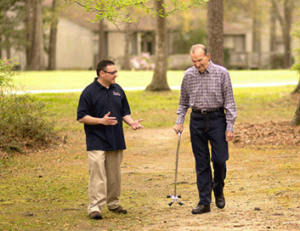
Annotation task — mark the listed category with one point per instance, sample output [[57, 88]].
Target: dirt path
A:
[[262, 185]]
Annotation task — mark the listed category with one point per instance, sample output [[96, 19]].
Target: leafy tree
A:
[[118, 11], [11, 18], [6, 73]]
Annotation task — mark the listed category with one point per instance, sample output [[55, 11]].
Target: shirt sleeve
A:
[[83, 108], [125, 106], [229, 103], [183, 102]]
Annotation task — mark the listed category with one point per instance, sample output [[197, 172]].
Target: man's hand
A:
[[136, 124], [106, 120], [229, 136], [178, 128]]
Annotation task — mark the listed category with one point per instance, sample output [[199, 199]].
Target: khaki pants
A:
[[105, 179]]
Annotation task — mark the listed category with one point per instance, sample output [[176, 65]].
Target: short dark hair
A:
[[101, 66]]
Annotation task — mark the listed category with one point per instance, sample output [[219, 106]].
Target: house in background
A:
[[78, 43], [75, 23]]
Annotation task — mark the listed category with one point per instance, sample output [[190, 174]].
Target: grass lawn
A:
[[49, 80], [47, 189]]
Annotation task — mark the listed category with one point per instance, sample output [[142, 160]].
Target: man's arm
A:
[[230, 107], [106, 120], [183, 107], [229, 103], [135, 124]]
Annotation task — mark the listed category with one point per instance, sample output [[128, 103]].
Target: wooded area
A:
[[32, 19]]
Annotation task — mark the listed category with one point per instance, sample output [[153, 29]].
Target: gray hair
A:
[[198, 47]]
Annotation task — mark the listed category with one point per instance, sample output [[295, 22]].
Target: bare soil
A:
[[262, 185], [261, 191]]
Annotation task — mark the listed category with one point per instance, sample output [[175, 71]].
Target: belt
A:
[[208, 111]]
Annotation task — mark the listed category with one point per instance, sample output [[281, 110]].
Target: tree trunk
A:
[[273, 29], [296, 119], [287, 33], [285, 23], [101, 48], [53, 35], [29, 32], [297, 89], [37, 55], [256, 33], [215, 31], [7, 47], [0, 48], [126, 61], [159, 79]]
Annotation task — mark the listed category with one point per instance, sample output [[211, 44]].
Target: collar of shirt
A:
[[101, 86], [208, 69]]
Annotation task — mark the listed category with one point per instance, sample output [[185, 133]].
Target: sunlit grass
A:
[[158, 109], [47, 189], [50, 80]]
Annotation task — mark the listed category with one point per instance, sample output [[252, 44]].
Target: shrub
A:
[[277, 61], [23, 120], [6, 67], [143, 62]]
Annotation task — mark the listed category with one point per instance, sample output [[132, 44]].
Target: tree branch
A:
[[279, 17]]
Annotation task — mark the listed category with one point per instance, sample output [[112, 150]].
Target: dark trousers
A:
[[209, 128]]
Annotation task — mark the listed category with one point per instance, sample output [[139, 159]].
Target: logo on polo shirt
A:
[[116, 93]]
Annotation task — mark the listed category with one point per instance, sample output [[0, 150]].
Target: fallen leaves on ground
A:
[[271, 133]]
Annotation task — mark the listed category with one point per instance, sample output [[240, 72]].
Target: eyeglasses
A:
[[112, 73]]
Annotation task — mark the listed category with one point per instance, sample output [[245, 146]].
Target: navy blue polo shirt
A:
[[96, 101]]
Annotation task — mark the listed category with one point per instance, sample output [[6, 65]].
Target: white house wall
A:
[[116, 45], [74, 46]]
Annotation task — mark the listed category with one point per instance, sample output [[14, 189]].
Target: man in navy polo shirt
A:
[[102, 108]]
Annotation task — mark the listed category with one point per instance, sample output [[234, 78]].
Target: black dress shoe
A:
[[220, 201], [199, 209]]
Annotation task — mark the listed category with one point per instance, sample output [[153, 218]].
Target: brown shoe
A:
[[95, 215], [119, 210]]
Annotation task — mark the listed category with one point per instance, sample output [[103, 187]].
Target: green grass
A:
[[158, 109], [49, 80], [47, 189]]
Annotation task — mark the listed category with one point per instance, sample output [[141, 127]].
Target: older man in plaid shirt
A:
[[206, 88]]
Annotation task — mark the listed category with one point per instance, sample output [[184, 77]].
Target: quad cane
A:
[[175, 196]]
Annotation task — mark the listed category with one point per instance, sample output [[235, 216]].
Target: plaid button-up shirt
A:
[[210, 90]]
